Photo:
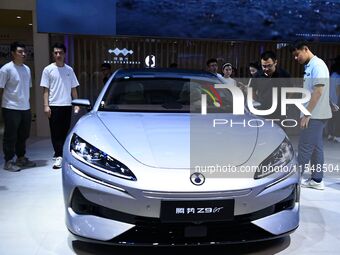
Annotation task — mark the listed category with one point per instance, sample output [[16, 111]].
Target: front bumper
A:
[[102, 212]]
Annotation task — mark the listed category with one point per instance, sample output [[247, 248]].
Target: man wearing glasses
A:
[[271, 77], [15, 83], [60, 86]]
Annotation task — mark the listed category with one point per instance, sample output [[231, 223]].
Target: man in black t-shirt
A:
[[270, 77], [105, 68]]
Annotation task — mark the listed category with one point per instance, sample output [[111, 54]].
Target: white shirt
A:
[[229, 81], [316, 72], [16, 82], [219, 75], [59, 81]]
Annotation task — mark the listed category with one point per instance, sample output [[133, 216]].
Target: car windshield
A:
[[165, 95]]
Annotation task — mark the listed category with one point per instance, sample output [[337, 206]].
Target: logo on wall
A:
[[121, 59], [150, 61], [124, 51]]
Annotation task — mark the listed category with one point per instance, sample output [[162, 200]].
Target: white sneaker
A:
[[57, 163], [310, 183], [330, 138]]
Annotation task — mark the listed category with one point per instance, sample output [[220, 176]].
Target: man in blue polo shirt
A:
[[316, 80]]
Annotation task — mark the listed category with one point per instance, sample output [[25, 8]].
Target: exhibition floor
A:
[[32, 216]]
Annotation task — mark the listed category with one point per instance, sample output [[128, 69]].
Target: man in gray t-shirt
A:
[[316, 80], [15, 83]]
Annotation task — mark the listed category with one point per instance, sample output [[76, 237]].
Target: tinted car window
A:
[[164, 95]]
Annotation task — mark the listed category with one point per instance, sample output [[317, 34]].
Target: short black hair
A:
[[211, 60], [106, 65], [268, 54], [59, 46], [16, 45], [298, 45]]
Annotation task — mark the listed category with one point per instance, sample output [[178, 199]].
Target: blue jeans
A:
[[311, 148]]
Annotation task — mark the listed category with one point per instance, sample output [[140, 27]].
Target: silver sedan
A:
[[146, 166]]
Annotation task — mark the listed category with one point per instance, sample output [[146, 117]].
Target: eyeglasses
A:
[[269, 66], [104, 69]]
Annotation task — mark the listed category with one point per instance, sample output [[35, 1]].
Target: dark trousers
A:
[[60, 122], [16, 131], [337, 124]]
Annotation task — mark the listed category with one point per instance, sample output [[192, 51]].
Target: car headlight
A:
[[276, 161], [98, 159]]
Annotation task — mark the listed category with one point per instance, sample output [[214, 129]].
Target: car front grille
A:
[[149, 230]]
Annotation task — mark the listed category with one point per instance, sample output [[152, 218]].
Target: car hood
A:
[[171, 140]]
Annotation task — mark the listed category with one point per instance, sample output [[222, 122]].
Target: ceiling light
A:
[[18, 17]]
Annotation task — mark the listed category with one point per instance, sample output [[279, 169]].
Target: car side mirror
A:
[[82, 103]]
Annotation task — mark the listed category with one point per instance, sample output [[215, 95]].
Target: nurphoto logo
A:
[[239, 105]]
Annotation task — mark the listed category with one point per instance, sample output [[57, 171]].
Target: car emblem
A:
[[197, 179]]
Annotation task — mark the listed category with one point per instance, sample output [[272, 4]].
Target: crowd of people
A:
[[323, 105], [59, 84]]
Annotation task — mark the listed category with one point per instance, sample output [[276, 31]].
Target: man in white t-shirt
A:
[[60, 86], [15, 83], [316, 80]]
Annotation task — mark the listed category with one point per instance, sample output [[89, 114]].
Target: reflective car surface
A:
[[137, 169]]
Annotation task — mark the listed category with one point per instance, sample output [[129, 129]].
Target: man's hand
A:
[[47, 111], [334, 107], [76, 109], [304, 122]]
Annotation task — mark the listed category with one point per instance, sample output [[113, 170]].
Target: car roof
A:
[[162, 73]]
